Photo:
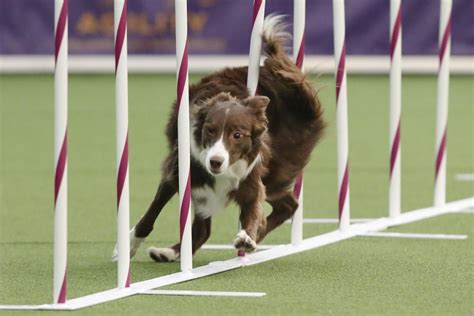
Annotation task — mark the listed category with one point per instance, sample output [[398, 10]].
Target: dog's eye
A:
[[237, 135], [211, 131]]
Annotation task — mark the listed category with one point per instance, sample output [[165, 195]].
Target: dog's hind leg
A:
[[143, 228], [201, 231], [283, 209]]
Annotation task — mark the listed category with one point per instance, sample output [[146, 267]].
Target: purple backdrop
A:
[[223, 26]]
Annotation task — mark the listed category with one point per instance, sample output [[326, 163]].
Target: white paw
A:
[[135, 243], [163, 254], [244, 242]]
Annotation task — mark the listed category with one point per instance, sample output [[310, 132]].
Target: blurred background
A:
[[219, 34]]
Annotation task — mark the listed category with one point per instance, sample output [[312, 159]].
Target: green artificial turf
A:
[[360, 276]]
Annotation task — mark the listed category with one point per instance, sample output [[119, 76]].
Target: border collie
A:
[[245, 149]]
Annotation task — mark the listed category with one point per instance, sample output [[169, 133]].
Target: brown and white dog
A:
[[244, 149]]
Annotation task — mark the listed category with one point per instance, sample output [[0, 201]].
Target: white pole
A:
[[395, 106], [121, 104], [60, 151], [254, 58], [183, 134], [255, 46], [442, 104], [341, 114], [299, 15]]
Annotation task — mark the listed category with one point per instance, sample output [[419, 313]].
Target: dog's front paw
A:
[[244, 242], [163, 254], [135, 243]]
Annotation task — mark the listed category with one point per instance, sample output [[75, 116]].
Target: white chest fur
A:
[[208, 201]]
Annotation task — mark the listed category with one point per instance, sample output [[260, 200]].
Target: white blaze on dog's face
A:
[[231, 132], [217, 158]]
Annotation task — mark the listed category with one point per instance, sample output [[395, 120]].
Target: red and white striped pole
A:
[[341, 114], [60, 150], [255, 46], [442, 104], [299, 15], [183, 134], [254, 56], [395, 106], [121, 133]]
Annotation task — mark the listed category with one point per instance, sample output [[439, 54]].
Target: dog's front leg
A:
[[250, 197]]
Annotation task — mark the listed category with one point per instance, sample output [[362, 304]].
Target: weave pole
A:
[[255, 46], [442, 102], [341, 114], [184, 151], [299, 15], [121, 108], [60, 150], [254, 56], [395, 106]]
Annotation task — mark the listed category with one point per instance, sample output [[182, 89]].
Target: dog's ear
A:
[[258, 103], [258, 106], [221, 97], [201, 107]]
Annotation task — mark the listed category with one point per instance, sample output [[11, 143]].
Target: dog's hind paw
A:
[[135, 243], [163, 254], [244, 242]]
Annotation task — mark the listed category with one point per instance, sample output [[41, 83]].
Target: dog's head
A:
[[228, 133]]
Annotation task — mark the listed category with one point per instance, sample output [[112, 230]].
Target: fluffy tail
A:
[[275, 35], [278, 64]]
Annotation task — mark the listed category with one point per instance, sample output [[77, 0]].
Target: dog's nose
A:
[[216, 162]]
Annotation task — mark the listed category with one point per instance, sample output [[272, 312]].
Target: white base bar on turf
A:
[[413, 235], [331, 220], [254, 258], [470, 211], [465, 177], [231, 247], [204, 293]]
